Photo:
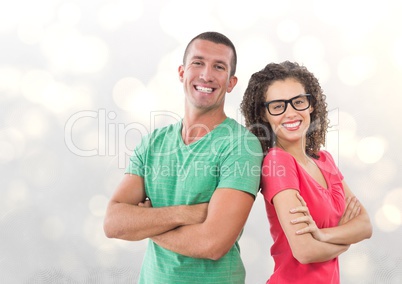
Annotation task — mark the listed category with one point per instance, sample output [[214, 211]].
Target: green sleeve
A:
[[241, 167], [136, 164]]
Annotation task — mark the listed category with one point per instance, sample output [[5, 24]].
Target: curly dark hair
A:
[[254, 111]]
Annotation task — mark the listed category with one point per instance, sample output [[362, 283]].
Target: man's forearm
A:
[[194, 241], [132, 223], [227, 213], [177, 240]]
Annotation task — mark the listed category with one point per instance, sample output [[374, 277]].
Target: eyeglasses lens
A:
[[299, 103]]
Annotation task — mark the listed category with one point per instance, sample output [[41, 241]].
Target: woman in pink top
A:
[[313, 214]]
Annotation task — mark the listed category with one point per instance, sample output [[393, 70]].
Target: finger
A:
[[348, 207], [304, 219], [301, 199], [347, 201], [146, 203], [356, 209], [304, 230], [300, 209], [353, 206]]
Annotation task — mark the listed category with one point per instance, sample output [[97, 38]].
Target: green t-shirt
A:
[[229, 156]]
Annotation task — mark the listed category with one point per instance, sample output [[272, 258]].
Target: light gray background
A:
[[82, 81]]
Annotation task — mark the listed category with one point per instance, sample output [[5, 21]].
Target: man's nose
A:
[[207, 74]]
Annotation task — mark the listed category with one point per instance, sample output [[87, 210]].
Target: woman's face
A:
[[290, 126]]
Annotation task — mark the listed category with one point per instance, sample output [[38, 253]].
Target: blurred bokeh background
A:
[[82, 81]]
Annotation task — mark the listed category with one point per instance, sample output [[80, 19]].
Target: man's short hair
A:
[[217, 38]]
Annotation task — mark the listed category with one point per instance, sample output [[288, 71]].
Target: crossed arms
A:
[[309, 243], [206, 230]]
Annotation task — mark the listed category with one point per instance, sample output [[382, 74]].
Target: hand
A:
[[146, 203], [351, 211], [311, 225]]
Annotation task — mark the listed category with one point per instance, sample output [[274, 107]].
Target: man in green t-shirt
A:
[[190, 186]]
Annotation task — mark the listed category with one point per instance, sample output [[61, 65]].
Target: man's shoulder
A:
[[162, 133], [238, 136], [235, 125], [163, 130]]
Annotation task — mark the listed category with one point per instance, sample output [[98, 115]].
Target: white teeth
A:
[[291, 125], [204, 89]]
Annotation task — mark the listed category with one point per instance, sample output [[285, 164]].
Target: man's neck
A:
[[197, 126]]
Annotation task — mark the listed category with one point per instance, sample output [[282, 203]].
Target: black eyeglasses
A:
[[277, 107]]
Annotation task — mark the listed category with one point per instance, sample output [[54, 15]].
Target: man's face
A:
[[206, 75]]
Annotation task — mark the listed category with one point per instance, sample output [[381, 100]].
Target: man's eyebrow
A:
[[222, 62], [202, 58], [197, 57]]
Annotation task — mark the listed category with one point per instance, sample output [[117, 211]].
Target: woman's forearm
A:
[[354, 231]]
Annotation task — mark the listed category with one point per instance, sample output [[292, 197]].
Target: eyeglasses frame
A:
[[289, 101]]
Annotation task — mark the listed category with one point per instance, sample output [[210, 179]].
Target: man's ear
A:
[[232, 83], [181, 72]]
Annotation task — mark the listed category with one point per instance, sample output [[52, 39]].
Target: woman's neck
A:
[[297, 150]]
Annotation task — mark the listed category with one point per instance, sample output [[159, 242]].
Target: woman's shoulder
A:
[[279, 157], [327, 162], [278, 153], [325, 156]]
